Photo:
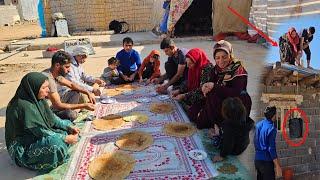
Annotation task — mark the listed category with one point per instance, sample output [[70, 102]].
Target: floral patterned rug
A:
[[167, 158]]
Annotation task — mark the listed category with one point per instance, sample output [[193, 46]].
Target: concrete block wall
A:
[[97, 14], [270, 14], [306, 158], [258, 14], [9, 14]]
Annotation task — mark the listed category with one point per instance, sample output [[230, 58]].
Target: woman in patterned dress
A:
[[35, 137], [227, 79], [289, 47], [199, 69]]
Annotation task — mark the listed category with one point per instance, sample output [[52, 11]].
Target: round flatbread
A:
[[112, 92], [177, 129], [108, 122], [127, 87], [137, 116], [112, 166], [111, 117], [134, 141], [161, 108]]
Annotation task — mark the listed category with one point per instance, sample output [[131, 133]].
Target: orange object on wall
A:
[[287, 174]]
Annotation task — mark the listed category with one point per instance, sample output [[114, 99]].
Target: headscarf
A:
[[200, 60], [234, 69], [152, 53], [293, 41], [25, 111], [223, 45], [156, 69], [80, 50]]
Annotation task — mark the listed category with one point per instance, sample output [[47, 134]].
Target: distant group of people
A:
[[292, 44], [214, 97]]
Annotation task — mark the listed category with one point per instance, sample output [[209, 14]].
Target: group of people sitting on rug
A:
[[214, 97], [292, 44]]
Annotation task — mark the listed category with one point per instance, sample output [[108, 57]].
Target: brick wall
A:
[[9, 14], [306, 158], [268, 15], [97, 14]]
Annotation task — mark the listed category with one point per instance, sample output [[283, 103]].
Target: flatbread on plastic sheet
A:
[[112, 92], [135, 141], [136, 116], [178, 129], [112, 166], [127, 87], [108, 122], [161, 108]]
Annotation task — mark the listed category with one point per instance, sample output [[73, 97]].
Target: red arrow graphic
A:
[[274, 43]]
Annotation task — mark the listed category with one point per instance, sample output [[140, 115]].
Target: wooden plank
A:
[[310, 80]]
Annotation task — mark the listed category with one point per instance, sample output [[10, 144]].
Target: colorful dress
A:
[[198, 74], [196, 95], [230, 82], [289, 47], [34, 135]]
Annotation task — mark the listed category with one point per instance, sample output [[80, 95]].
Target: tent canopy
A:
[[223, 21]]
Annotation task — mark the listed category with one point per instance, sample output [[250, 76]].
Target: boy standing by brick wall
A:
[[266, 159]]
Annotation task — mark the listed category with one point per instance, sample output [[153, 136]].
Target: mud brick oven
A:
[[287, 87]]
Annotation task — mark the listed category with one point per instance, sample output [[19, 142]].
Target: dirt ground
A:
[[15, 67], [19, 31], [12, 72]]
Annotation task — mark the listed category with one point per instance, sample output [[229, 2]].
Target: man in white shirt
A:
[[77, 74]]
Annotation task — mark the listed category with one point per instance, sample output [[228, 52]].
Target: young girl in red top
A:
[[150, 67]]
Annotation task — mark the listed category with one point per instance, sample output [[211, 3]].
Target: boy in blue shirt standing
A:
[[129, 60], [266, 159]]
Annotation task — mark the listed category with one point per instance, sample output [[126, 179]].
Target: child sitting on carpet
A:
[[150, 67], [232, 137], [110, 74]]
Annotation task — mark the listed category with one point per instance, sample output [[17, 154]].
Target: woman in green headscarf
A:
[[35, 137]]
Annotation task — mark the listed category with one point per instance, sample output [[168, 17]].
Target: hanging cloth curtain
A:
[[177, 8], [224, 21]]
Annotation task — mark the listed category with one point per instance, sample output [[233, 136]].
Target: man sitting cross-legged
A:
[[130, 62], [77, 74], [65, 102], [175, 66]]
